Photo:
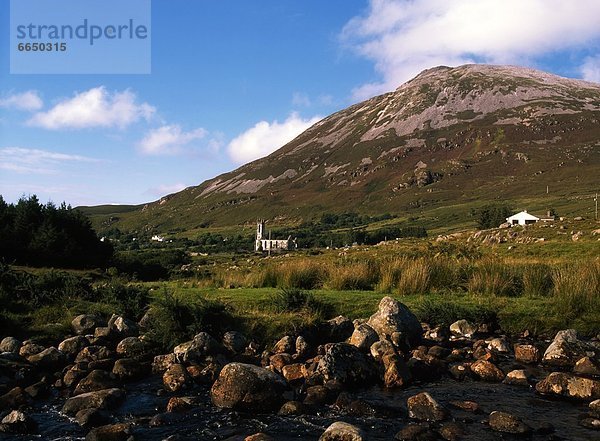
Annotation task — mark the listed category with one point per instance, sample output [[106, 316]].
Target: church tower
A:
[[260, 231]]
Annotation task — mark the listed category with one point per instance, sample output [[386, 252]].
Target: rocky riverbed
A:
[[383, 378]]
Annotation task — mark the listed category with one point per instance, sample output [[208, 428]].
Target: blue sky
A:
[[234, 80]]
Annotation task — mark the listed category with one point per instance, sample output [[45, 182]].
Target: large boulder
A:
[[347, 365], [528, 354], [122, 327], [71, 346], [248, 387], [130, 369], [462, 328], [131, 347], [340, 431], [50, 358], [85, 324], [396, 322], [363, 337], [101, 399], [235, 341], [10, 344], [176, 377], [566, 349], [202, 345], [570, 386]]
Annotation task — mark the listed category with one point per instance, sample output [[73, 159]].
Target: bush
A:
[[492, 216], [130, 301], [297, 301]]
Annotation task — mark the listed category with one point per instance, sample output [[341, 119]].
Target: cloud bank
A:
[[266, 137], [96, 107], [404, 37]]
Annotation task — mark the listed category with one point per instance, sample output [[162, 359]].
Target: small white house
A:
[[157, 238], [522, 218]]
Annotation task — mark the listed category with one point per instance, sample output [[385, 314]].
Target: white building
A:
[[522, 218], [157, 238], [262, 244]]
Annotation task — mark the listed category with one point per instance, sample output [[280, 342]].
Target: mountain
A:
[[445, 142]]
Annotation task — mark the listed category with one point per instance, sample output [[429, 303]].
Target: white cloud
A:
[[404, 37], [264, 138], [165, 189], [591, 69], [25, 160], [29, 101], [96, 107], [168, 140]]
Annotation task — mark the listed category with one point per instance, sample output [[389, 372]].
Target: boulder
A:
[[452, 431], [462, 328], [292, 408], [85, 324], [102, 399], [123, 327], [363, 337], [195, 350], [487, 371], [259, 437], [285, 345], [566, 349], [499, 345], [423, 407], [18, 422], [112, 432], [340, 431], [89, 418], [29, 348], [507, 423], [181, 404], [302, 348], [93, 353], [73, 345], [50, 358], [338, 329], [235, 341], [517, 377], [395, 321], [382, 348], [278, 361], [587, 366], [162, 362], [293, 372], [96, 380], [570, 386], [248, 387], [176, 377], [417, 432], [130, 369], [397, 373], [595, 408], [131, 347], [10, 344], [527, 354], [347, 365], [13, 399]]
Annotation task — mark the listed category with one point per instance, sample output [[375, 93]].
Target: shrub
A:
[[128, 300], [297, 301], [492, 216]]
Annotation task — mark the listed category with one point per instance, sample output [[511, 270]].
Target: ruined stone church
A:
[[271, 245]]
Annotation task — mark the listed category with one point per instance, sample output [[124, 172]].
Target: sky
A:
[[233, 80]]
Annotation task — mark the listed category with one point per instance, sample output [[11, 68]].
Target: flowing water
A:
[[206, 422]]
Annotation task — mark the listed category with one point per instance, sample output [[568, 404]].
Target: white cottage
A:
[[522, 218]]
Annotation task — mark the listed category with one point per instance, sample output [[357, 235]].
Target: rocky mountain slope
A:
[[441, 144]]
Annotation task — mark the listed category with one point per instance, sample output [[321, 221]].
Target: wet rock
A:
[[10, 344], [259, 437], [318, 395], [248, 387], [112, 432], [517, 377], [102, 399], [292, 408], [50, 358], [595, 408], [37, 390], [566, 349], [423, 407], [85, 324], [338, 329], [176, 377], [590, 423], [123, 327], [71, 346], [340, 431], [73, 375], [197, 349], [462, 328], [28, 349], [397, 373], [302, 348], [587, 366], [181, 404], [363, 337], [527, 354], [165, 419], [96, 380], [417, 432], [129, 369], [89, 418], [18, 422], [131, 347], [392, 317], [570, 386], [293, 372], [499, 345], [468, 406], [507, 423], [13, 399], [278, 361], [459, 371], [93, 353], [235, 341], [162, 362], [438, 352], [347, 365], [382, 348], [452, 431], [487, 371], [285, 345], [102, 333]]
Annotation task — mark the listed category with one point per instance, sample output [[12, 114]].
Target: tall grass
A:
[[415, 277], [577, 288], [490, 277], [537, 280], [353, 276], [389, 275]]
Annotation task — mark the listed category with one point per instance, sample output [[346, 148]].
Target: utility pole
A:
[[596, 212]]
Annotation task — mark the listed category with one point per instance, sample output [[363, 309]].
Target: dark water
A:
[[208, 423]]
